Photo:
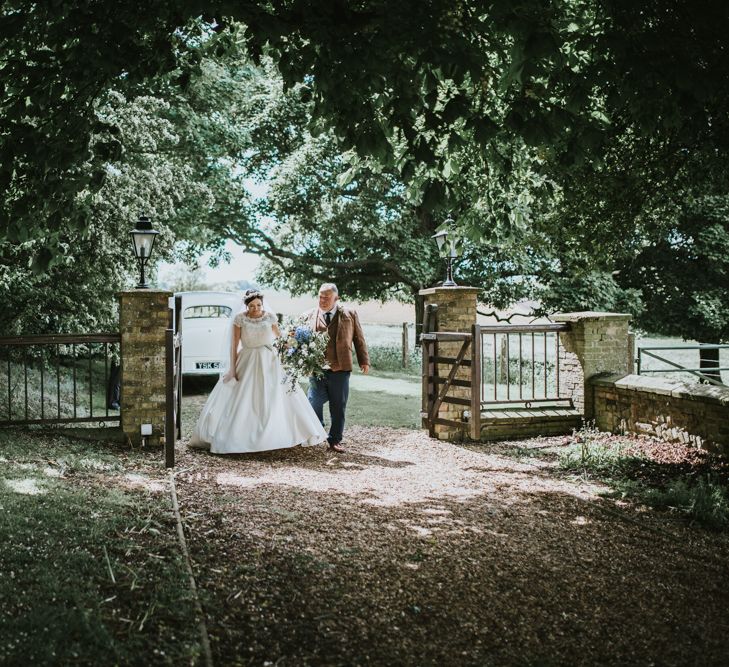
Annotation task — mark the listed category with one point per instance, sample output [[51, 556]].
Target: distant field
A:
[[382, 323], [392, 312], [391, 335], [387, 334]]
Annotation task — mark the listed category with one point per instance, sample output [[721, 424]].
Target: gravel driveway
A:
[[409, 551]]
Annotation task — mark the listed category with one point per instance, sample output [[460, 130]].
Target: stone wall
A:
[[596, 343], [143, 319], [456, 312], [674, 411]]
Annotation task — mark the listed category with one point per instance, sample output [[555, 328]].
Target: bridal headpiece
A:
[[251, 294]]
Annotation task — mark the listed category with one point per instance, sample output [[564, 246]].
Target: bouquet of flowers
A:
[[301, 351]]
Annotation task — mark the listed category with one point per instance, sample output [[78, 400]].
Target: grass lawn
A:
[[91, 571], [382, 398]]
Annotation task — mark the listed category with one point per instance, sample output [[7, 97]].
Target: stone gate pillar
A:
[[456, 312], [143, 319], [596, 343]]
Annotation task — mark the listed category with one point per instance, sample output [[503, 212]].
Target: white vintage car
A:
[[205, 318]]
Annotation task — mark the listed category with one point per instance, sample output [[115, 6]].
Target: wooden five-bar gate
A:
[[513, 373]]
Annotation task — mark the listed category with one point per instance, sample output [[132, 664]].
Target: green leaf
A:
[[40, 262], [515, 69], [346, 177], [433, 195], [484, 129], [451, 168]]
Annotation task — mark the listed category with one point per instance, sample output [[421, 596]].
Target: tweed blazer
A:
[[344, 331]]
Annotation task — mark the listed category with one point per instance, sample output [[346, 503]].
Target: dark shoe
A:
[[336, 447]]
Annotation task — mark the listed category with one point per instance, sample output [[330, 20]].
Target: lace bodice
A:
[[255, 332]]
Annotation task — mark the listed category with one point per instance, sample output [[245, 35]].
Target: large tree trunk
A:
[[709, 359]]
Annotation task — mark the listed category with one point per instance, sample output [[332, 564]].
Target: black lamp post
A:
[[447, 241], [143, 237]]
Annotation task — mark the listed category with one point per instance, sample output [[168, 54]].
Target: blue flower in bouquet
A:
[[301, 351], [302, 334]]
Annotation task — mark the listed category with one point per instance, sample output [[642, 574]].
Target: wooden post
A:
[[424, 370], [419, 317], [170, 431], [405, 350], [433, 369], [425, 387], [178, 365], [475, 425], [429, 366]]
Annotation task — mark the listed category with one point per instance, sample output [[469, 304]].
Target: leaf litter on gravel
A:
[[407, 550]]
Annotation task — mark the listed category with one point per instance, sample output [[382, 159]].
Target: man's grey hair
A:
[[329, 287]]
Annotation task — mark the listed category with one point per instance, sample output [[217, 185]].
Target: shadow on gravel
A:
[[455, 559]]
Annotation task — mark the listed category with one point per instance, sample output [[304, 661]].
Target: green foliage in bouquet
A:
[[302, 351]]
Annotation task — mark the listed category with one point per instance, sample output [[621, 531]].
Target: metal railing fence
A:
[[57, 378], [519, 363], [706, 373]]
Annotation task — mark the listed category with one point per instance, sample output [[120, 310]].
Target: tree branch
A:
[[373, 268]]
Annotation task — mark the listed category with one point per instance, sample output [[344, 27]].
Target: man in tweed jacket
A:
[[344, 330]]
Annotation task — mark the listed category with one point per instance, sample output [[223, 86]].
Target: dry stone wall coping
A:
[[589, 315], [665, 387]]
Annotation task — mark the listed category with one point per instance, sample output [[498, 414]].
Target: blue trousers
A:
[[333, 387]]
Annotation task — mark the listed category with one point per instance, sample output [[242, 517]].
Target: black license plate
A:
[[207, 365]]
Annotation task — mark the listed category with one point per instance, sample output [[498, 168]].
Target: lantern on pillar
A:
[[143, 237], [448, 246]]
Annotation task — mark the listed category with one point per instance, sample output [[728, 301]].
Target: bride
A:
[[250, 409]]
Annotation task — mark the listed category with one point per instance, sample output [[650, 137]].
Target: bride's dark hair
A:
[[251, 294]]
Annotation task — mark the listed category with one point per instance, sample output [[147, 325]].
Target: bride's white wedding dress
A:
[[256, 413]]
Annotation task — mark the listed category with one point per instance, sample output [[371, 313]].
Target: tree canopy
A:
[[580, 145], [405, 85]]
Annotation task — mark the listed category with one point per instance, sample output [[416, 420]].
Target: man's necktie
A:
[[328, 318]]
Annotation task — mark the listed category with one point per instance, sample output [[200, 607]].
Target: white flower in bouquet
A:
[[302, 352]]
